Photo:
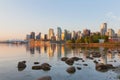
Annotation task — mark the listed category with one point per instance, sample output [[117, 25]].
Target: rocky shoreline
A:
[[72, 65]]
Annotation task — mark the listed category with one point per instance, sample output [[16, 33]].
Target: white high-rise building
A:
[[103, 28], [59, 32], [73, 35]]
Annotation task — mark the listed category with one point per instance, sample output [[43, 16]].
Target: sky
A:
[[20, 17]]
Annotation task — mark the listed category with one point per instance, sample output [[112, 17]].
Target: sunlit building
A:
[[44, 36], [73, 36], [118, 33], [63, 36], [103, 28], [111, 33], [51, 33], [86, 32], [79, 35]]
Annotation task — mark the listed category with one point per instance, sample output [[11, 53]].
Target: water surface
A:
[[10, 55]]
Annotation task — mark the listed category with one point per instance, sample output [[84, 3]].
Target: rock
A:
[[36, 67], [75, 58], [80, 58], [95, 62], [104, 67], [89, 57], [36, 62], [79, 68], [64, 58], [45, 78], [99, 60], [21, 65], [96, 54], [71, 70], [115, 61], [85, 64], [83, 61], [24, 61], [69, 61], [21, 69], [45, 66], [109, 66]]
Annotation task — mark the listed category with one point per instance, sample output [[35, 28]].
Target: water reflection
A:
[[11, 54], [67, 51]]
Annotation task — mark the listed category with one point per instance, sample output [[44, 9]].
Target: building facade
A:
[[103, 28], [59, 33], [51, 33]]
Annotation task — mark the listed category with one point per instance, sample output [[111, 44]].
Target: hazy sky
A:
[[19, 17]]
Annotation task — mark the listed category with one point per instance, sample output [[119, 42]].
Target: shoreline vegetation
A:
[[70, 44], [47, 43]]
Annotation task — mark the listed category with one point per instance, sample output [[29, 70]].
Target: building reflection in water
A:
[[103, 55], [38, 49], [59, 50], [31, 49]]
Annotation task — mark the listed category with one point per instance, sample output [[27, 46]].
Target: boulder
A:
[[45, 78], [36, 62], [85, 64], [69, 61], [64, 58], [21, 65], [95, 62], [36, 67], [103, 67], [96, 54], [75, 58], [89, 57], [24, 61], [71, 70], [79, 68], [45, 66], [83, 60]]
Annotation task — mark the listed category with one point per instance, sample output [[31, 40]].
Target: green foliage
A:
[[80, 40], [105, 38], [89, 39], [69, 41]]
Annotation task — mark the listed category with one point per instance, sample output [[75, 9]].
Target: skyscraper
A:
[[111, 33], [86, 32], [103, 28], [118, 33], [38, 37], [59, 32], [27, 37], [73, 35], [51, 33], [32, 35]]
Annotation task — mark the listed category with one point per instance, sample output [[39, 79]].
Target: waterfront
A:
[[11, 54]]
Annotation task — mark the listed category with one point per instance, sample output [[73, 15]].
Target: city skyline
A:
[[19, 17]]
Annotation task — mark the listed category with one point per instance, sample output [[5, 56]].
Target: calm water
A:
[[10, 55]]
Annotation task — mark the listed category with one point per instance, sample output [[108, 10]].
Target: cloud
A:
[[112, 16]]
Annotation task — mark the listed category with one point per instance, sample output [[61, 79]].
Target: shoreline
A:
[[48, 43]]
